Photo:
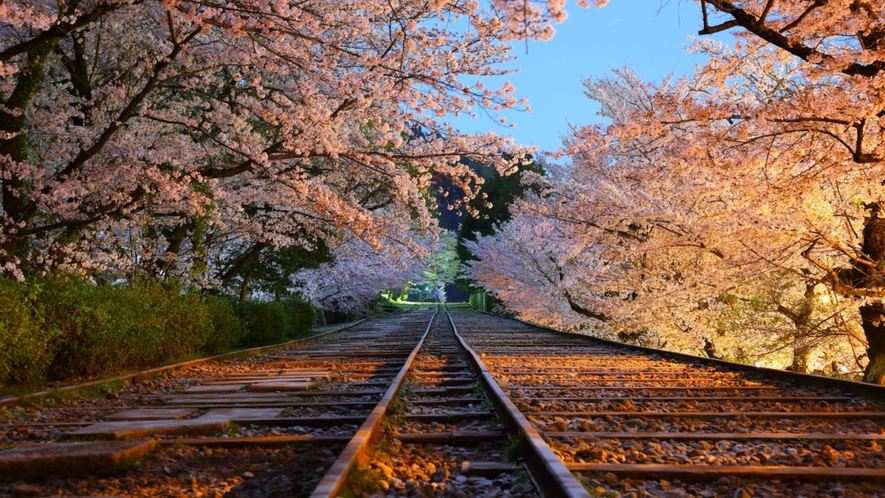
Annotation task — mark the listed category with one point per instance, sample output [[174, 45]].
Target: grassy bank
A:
[[64, 329]]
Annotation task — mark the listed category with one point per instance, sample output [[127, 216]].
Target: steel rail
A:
[[546, 470], [355, 451], [872, 391], [135, 377], [81, 459], [710, 472]]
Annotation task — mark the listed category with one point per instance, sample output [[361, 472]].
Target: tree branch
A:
[[124, 116], [758, 27], [58, 31], [241, 263]]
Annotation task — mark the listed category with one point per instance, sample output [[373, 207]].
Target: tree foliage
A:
[[492, 206], [754, 184], [179, 137], [359, 271]]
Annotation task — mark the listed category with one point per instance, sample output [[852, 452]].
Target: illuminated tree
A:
[[689, 203], [767, 160], [360, 271], [165, 135], [442, 269]]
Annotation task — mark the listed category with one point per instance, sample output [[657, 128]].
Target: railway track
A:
[[267, 425], [444, 437], [634, 424], [460, 404]]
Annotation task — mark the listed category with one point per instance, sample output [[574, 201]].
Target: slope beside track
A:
[[642, 424]]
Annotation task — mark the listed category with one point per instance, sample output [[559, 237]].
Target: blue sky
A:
[[645, 35]]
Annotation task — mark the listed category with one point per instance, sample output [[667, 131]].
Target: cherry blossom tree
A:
[[834, 123], [442, 268], [766, 162], [360, 271], [527, 19], [168, 135], [522, 264], [672, 215]]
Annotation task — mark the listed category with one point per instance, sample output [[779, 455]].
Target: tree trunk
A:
[[872, 319], [244, 289], [710, 349], [14, 123], [175, 239], [241, 263], [800, 358], [577, 308]]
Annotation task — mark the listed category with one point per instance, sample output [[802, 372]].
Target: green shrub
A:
[[165, 321], [302, 316], [24, 340], [104, 329], [83, 316], [265, 322], [63, 327], [275, 321], [228, 330]]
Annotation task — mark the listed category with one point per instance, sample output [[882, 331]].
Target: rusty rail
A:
[[135, 377], [871, 391], [531, 363], [548, 472], [355, 451]]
